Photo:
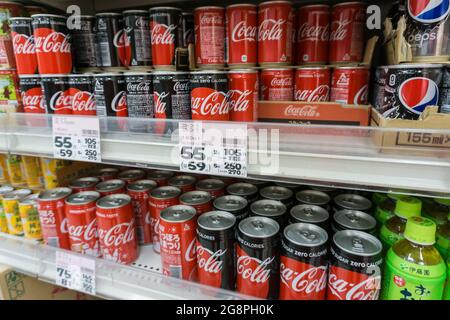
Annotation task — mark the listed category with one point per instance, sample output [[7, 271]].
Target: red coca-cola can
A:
[[117, 229], [257, 258], [185, 183], [209, 95], [177, 238], [215, 249], [312, 84], [106, 174], [303, 262], [31, 94], [201, 201], [275, 33], [347, 32], [241, 35], [131, 175], [139, 191], [313, 33], [113, 186], [158, 200], [55, 91], [243, 87], [277, 84], [215, 187], [83, 184], [355, 266], [161, 177], [23, 45], [81, 91], [82, 223], [209, 36], [51, 207], [52, 44], [350, 85]]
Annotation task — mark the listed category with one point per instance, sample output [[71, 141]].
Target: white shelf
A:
[[323, 155]]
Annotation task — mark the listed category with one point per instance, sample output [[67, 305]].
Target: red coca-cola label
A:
[[160, 101], [54, 223], [209, 36], [312, 85], [163, 43], [61, 102], [344, 284], [142, 216], [119, 104], [83, 102], [82, 229], [156, 206], [122, 44], [33, 101], [209, 266], [24, 52], [118, 240], [301, 281], [242, 27], [243, 96], [209, 104], [53, 51], [350, 86], [277, 85]]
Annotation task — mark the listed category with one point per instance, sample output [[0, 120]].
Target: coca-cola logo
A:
[[239, 100], [140, 22], [243, 32], [339, 30], [271, 29], [211, 20], [181, 86], [60, 101], [302, 111], [64, 226], [23, 44], [190, 253], [32, 100], [163, 34], [361, 96], [281, 82], [213, 103], [83, 101], [210, 261], [83, 233], [120, 39], [320, 93], [307, 32], [54, 42], [307, 282], [344, 289], [258, 274], [142, 86], [160, 103], [119, 234], [119, 102]]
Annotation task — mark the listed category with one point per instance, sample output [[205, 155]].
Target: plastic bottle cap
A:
[[394, 196], [443, 201], [420, 230], [407, 207]]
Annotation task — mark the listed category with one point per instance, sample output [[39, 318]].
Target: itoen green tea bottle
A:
[[414, 269], [393, 229], [447, 285], [436, 210], [378, 197], [443, 240], [385, 208]]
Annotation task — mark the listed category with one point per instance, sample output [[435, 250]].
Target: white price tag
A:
[[217, 149], [76, 138], [75, 272]]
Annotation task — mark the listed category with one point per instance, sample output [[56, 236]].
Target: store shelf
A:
[[323, 155], [142, 280]]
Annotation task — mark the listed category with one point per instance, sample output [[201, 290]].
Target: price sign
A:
[[217, 149], [76, 138], [75, 272]]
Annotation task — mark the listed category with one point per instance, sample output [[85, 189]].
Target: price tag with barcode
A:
[[217, 149], [75, 272], [76, 138]]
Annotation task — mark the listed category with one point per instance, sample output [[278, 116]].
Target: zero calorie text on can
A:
[[201, 201], [303, 262], [84, 52], [215, 187], [159, 199], [81, 91], [275, 32], [257, 258], [112, 186], [216, 249], [31, 94], [243, 95], [56, 94], [209, 95], [178, 242], [110, 95], [350, 85], [184, 182], [354, 272], [241, 35], [312, 84], [347, 32], [136, 25], [277, 84], [161, 177], [51, 206], [23, 45], [83, 184], [209, 36], [82, 222], [313, 32], [52, 44], [116, 229]]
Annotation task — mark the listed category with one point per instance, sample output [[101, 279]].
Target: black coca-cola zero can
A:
[[282, 194], [55, 90], [272, 209], [139, 92], [215, 249], [81, 90], [113, 47], [246, 190], [110, 95], [235, 205], [136, 24], [187, 29], [85, 55], [258, 258]]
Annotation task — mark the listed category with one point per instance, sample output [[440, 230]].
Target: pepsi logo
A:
[[417, 93], [428, 11]]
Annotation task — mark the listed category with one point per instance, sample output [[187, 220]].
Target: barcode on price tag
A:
[[76, 138], [75, 272]]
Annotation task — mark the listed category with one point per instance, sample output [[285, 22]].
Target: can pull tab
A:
[[258, 225], [352, 217], [268, 207], [215, 219], [308, 212], [349, 201], [232, 202], [308, 236], [357, 245]]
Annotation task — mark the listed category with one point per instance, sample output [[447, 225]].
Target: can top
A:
[[101, 14], [314, 197], [131, 174], [166, 192], [17, 194], [29, 200], [259, 227], [287, 185], [160, 174], [242, 71], [183, 180], [110, 185], [55, 194], [276, 193], [352, 202], [162, 72], [416, 66], [241, 5], [268, 208], [352, 67], [348, 3], [48, 15], [357, 243], [354, 220], [178, 213], [134, 11], [83, 182], [20, 18], [323, 189], [216, 220], [6, 189], [195, 197], [305, 234], [274, 2], [313, 67], [309, 213], [84, 197], [209, 72], [142, 185], [208, 7], [230, 203], [163, 8], [108, 171], [210, 184], [113, 201], [242, 189]]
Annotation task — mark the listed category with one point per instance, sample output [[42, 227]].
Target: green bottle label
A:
[[382, 215], [443, 246], [404, 280], [388, 238]]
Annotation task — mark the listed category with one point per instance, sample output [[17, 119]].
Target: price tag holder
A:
[[75, 272], [76, 138], [216, 149]]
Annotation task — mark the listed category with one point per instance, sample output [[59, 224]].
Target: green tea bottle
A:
[[393, 229], [437, 210], [443, 239], [414, 269], [447, 285], [385, 208], [378, 197]]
